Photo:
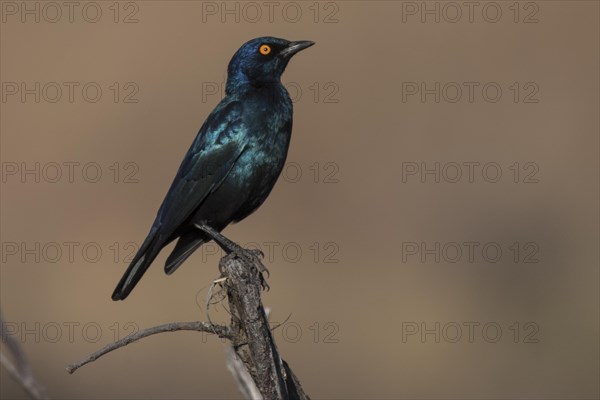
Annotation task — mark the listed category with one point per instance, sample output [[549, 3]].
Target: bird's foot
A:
[[253, 257]]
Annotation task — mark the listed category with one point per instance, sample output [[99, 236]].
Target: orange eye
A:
[[265, 49]]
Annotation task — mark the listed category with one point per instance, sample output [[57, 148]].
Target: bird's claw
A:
[[253, 257]]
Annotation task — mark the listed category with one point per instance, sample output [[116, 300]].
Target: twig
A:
[[21, 372], [221, 331]]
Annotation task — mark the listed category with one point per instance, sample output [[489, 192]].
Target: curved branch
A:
[[221, 331]]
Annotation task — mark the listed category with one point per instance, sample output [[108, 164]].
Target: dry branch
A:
[[221, 331], [252, 338], [255, 362]]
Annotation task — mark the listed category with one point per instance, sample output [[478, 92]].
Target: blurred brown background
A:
[[349, 227]]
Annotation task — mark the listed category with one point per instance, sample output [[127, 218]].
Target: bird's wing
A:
[[207, 163]]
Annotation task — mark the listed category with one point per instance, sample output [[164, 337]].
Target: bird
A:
[[231, 166]]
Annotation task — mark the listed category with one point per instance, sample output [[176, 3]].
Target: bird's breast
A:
[[267, 118]]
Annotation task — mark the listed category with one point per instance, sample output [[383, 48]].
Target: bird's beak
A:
[[295, 47]]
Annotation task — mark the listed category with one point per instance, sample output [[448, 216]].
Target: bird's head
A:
[[262, 60]]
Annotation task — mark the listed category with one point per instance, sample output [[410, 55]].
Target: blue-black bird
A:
[[231, 166]]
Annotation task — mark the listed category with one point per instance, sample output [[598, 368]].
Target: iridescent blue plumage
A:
[[233, 163]]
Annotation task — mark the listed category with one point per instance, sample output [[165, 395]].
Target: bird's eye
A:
[[265, 49]]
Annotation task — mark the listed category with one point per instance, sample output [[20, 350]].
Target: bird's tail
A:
[[140, 263], [186, 245]]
